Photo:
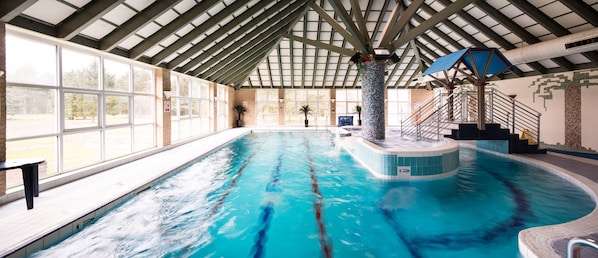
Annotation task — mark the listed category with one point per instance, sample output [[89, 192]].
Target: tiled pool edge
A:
[[71, 224], [404, 164]]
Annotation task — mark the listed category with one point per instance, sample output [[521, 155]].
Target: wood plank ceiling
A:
[[306, 43]]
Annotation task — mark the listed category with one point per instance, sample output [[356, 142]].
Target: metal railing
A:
[[442, 113], [575, 244]]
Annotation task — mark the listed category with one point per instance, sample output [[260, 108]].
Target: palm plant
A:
[[305, 109], [358, 111], [240, 111]]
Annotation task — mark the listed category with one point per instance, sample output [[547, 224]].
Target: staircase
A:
[[455, 116]]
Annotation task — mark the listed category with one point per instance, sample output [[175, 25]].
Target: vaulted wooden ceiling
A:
[[307, 43]]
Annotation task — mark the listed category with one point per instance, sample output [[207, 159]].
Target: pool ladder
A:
[[575, 244]]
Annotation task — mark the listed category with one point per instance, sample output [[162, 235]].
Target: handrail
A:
[[575, 244], [440, 113]]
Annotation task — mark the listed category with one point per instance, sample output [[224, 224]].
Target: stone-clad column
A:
[[372, 87]]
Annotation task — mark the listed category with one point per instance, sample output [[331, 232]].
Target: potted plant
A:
[[240, 110], [358, 111], [305, 109]]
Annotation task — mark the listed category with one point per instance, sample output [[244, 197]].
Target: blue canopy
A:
[[475, 59]]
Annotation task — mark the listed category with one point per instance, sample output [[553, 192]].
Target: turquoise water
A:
[[295, 194]]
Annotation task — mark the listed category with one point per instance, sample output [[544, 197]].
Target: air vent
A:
[[581, 43]]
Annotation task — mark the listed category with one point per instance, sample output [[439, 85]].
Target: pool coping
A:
[[537, 242]]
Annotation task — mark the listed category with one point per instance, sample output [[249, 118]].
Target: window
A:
[[189, 106], [267, 107], [399, 106], [346, 100], [80, 70], [318, 100], [70, 119], [222, 107], [31, 62]]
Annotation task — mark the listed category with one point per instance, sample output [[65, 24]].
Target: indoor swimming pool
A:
[[297, 194]]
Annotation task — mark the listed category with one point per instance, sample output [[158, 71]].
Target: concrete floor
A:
[[61, 210]]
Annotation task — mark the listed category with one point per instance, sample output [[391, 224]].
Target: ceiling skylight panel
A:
[[166, 17], [170, 57], [130, 42], [511, 11], [169, 40], [459, 22], [78, 3], [577, 59], [98, 29], [501, 30], [216, 8], [184, 30], [201, 19], [512, 38], [139, 5], [537, 30], [548, 63], [581, 28], [39, 10], [554, 9], [153, 51], [524, 21], [436, 6], [476, 13], [570, 20], [184, 6], [184, 48], [119, 15]]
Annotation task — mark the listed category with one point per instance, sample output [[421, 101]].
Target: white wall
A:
[[547, 96]]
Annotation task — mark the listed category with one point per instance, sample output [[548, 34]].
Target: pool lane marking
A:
[[266, 215], [232, 183], [323, 237], [398, 229], [463, 240]]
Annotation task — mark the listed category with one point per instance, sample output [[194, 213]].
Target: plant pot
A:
[[359, 122], [306, 123], [239, 123]]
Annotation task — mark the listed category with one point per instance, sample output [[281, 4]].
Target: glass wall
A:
[[318, 101], [222, 107], [89, 109], [346, 100], [399, 106], [190, 104], [266, 106]]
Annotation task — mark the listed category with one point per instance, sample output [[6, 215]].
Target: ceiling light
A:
[[381, 53], [393, 59], [355, 58]]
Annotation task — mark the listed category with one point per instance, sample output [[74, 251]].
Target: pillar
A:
[[163, 116], [372, 88]]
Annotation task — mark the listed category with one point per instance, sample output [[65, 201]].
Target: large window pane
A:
[[117, 110], [116, 75], [80, 110], [144, 109], [29, 61], [30, 111], [143, 80], [81, 149], [117, 142], [80, 70], [183, 87], [143, 137], [40, 148]]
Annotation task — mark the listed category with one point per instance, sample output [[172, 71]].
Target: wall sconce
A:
[[280, 103], [332, 101], [167, 94]]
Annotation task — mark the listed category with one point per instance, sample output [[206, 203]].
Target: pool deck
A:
[[63, 209]]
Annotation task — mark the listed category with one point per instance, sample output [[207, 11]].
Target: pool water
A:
[[296, 194]]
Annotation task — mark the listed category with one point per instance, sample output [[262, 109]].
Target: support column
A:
[[163, 116], [372, 81]]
